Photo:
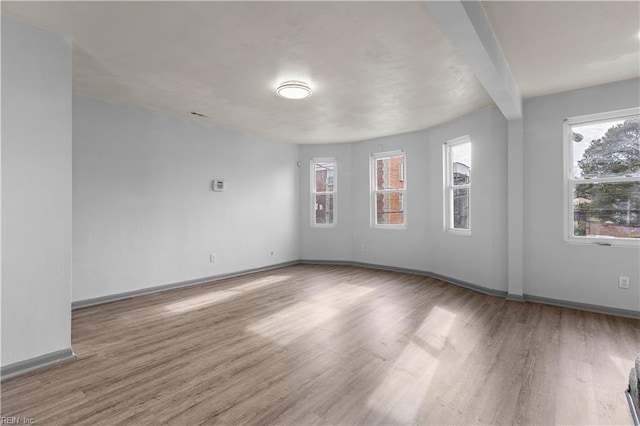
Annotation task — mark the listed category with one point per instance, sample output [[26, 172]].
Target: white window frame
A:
[[449, 187], [313, 191], [570, 181], [373, 189]]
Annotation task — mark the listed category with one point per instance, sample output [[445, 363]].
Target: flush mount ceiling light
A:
[[294, 90]]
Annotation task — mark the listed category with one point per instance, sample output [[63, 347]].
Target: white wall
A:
[[479, 259], [332, 243], [553, 268], [36, 192], [144, 211]]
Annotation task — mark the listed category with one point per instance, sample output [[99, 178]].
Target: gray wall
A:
[[36, 192], [553, 268], [145, 214], [479, 259]]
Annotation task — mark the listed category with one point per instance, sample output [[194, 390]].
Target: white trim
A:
[[567, 210], [459, 140], [605, 241], [448, 187], [373, 191], [457, 231], [570, 181], [313, 193], [620, 114], [388, 154], [621, 179]]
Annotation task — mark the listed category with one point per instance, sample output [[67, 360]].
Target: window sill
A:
[[461, 232], [605, 242], [389, 227], [321, 226]]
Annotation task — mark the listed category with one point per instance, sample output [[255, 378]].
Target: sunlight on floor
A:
[[576, 400], [386, 314], [623, 365], [341, 295], [404, 388], [216, 296], [401, 393], [434, 330], [297, 320], [293, 322]]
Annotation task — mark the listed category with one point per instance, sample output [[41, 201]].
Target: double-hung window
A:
[[388, 189], [323, 191], [457, 185], [602, 178]]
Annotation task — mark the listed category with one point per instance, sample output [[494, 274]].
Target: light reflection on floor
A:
[[623, 365], [299, 319], [435, 329], [405, 387], [215, 296]]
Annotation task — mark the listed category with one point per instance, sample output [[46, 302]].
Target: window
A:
[[457, 185], [602, 196], [323, 191], [388, 189]]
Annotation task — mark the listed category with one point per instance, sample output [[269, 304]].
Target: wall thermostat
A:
[[218, 185]]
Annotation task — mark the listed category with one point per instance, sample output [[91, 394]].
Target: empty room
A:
[[320, 213]]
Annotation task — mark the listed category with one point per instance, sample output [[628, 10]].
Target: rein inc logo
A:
[[6, 420]]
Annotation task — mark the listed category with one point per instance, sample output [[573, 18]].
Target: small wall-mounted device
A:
[[218, 185]]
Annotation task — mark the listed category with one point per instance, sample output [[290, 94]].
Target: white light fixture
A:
[[294, 90]]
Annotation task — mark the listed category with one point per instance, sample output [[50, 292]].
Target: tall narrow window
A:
[[457, 158], [602, 153], [388, 189], [323, 191]]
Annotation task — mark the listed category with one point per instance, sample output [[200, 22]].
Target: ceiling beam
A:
[[468, 27]]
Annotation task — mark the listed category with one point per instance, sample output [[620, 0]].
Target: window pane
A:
[[607, 209], [606, 149], [324, 177], [324, 208], [461, 164], [390, 208], [461, 208], [390, 173]]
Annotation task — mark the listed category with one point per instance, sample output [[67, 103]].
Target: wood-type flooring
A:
[[340, 345]]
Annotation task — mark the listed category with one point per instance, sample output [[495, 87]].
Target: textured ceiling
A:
[[556, 46], [376, 68]]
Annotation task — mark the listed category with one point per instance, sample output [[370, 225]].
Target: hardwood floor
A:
[[312, 344]]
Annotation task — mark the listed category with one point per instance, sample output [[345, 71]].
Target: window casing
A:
[[324, 192], [602, 178], [388, 183], [457, 186]]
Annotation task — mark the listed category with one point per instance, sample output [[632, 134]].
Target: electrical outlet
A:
[[363, 248], [212, 258], [623, 282]]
